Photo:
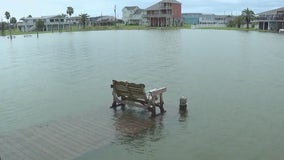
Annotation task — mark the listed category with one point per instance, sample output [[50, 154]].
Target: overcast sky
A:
[[37, 8]]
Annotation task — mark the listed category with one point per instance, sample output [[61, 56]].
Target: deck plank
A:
[[63, 139], [67, 138]]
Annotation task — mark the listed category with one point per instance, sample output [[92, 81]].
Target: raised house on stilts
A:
[[165, 13]]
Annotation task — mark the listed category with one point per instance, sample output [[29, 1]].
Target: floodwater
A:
[[233, 80]]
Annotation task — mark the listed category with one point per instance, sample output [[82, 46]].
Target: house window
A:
[[167, 4], [51, 20]]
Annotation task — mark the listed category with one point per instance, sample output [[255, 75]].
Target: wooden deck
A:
[[67, 138]]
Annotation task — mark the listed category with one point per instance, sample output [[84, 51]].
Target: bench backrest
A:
[[129, 91]]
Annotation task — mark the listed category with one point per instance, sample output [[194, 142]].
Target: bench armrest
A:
[[155, 92]]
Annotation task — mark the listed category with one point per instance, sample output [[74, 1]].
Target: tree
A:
[[83, 20], [236, 22], [13, 20], [2, 28], [39, 25], [7, 15], [231, 23], [239, 21], [30, 16], [248, 15], [69, 11]]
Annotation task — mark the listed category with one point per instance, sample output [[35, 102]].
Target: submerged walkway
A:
[[67, 138]]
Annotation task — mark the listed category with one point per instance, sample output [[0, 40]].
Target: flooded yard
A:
[[55, 95]]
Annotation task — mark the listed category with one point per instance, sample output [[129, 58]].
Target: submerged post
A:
[[183, 104]]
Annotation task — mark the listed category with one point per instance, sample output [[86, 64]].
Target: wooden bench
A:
[[134, 94]]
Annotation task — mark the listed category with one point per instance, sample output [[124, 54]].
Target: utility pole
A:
[[101, 18], [115, 14]]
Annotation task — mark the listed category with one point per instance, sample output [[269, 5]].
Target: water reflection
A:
[[183, 116], [136, 131]]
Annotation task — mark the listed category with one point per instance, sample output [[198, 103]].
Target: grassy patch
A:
[[230, 28]]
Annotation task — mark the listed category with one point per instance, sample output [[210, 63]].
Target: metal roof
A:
[[274, 11], [43, 17], [157, 5], [131, 7], [170, 1], [154, 7]]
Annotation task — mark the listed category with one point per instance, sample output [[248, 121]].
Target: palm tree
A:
[[13, 20], [69, 11], [7, 15], [248, 16], [84, 18]]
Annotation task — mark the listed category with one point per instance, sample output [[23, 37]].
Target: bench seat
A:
[[132, 93]]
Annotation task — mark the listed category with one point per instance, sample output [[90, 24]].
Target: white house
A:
[[134, 15], [103, 20], [51, 23], [272, 20]]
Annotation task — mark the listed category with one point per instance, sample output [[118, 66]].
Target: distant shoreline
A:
[[98, 28], [123, 27]]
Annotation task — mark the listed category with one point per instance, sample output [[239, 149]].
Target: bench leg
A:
[[162, 110], [116, 101], [114, 105], [123, 107], [161, 105], [153, 111]]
